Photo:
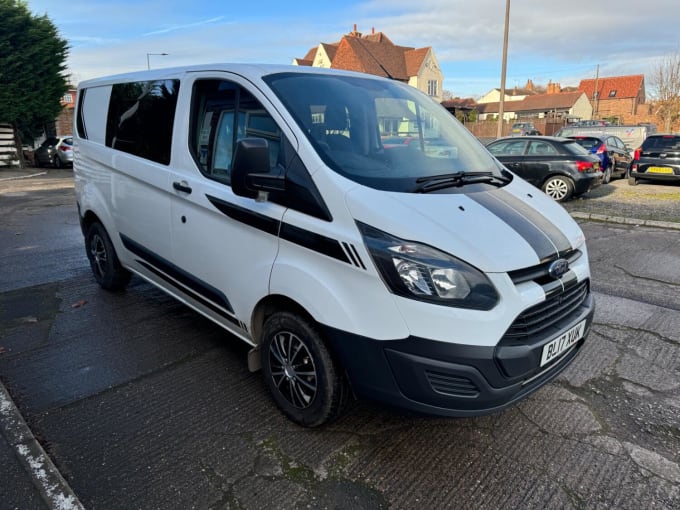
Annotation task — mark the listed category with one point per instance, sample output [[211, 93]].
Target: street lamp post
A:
[[148, 65], [501, 102]]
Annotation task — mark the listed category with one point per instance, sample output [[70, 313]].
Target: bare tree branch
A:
[[665, 81]]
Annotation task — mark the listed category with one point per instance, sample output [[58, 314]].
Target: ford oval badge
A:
[[558, 268]]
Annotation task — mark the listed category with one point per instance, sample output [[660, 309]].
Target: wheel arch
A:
[[269, 305]]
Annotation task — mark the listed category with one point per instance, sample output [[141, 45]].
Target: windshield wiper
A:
[[436, 182]]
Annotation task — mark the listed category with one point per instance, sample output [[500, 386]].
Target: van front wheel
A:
[[305, 381], [106, 267]]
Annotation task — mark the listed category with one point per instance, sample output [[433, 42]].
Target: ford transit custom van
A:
[[423, 275]]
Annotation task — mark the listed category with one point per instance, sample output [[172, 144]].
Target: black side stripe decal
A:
[[305, 238], [525, 221], [255, 220], [313, 241], [162, 267]]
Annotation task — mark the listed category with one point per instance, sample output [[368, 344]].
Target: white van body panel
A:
[[347, 294]]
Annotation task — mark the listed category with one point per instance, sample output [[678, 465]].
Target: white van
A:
[[419, 272]]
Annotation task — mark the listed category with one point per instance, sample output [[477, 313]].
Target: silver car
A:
[[56, 151]]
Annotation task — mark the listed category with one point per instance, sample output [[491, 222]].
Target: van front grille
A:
[[546, 314]]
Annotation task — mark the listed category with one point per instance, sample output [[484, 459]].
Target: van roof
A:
[[250, 71]]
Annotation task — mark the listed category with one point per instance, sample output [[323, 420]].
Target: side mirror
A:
[[250, 171]]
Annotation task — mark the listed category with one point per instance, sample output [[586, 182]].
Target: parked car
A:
[[657, 159], [559, 166], [524, 129], [56, 151], [632, 136], [615, 156]]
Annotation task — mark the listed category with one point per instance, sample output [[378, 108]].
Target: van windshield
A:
[[380, 133]]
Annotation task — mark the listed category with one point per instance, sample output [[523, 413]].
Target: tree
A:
[[665, 81], [32, 70]]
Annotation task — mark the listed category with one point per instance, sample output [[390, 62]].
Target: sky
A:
[[562, 41]]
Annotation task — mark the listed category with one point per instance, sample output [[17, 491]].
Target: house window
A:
[[68, 98], [612, 93], [432, 88]]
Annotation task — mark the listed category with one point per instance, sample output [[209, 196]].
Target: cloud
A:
[[187, 26]]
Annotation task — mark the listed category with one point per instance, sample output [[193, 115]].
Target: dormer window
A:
[[612, 93]]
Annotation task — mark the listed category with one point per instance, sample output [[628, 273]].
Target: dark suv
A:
[[657, 159]]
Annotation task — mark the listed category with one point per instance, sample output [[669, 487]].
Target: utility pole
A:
[[501, 112], [596, 94]]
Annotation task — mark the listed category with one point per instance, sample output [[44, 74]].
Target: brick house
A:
[[63, 125], [539, 106], [376, 54], [513, 94], [616, 97]]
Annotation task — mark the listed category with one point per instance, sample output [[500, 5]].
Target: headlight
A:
[[418, 271]]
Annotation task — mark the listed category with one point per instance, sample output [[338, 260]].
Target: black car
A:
[[615, 156], [559, 166], [657, 159]]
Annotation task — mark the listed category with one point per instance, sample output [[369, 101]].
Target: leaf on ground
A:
[[78, 304]]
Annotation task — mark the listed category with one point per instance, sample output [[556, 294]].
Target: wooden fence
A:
[[8, 150]]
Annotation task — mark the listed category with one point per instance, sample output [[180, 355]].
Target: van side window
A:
[[221, 114], [141, 117]]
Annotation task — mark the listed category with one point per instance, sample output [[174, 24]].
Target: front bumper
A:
[[440, 378]]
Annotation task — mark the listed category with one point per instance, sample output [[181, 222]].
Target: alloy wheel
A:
[[292, 369]]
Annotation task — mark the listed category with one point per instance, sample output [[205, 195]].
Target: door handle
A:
[[182, 186]]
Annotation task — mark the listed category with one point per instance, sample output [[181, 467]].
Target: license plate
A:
[[562, 343], [659, 170]]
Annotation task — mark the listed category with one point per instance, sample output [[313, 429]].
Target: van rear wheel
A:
[[306, 383], [106, 267]]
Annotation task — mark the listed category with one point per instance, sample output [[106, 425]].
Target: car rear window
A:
[[574, 148], [588, 142], [665, 143]]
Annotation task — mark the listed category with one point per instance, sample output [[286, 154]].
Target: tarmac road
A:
[[142, 403]]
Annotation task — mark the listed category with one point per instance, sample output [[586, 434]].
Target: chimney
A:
[[529, 85], [372, 30], [355, 33]]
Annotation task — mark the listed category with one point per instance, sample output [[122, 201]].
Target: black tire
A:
[[305, 382], [559, 188], [106, 267], [632, 181], [36, 162], [608, 174], [57, 162]]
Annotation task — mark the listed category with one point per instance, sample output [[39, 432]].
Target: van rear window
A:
[[140, 118]]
